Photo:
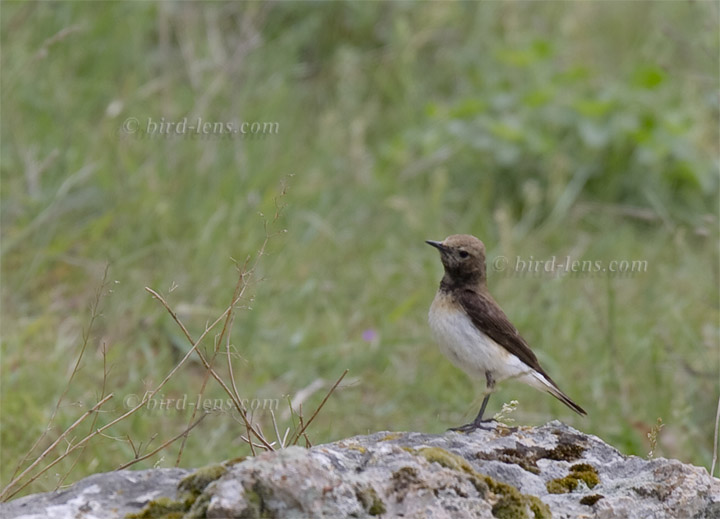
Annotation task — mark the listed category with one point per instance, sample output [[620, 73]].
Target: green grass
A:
[[546, 129]]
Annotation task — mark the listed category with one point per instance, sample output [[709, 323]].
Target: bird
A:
[[474, 333]]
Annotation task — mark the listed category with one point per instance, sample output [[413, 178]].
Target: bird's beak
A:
[[437, 244]]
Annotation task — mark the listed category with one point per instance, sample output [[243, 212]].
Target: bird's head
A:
[[463, 257]]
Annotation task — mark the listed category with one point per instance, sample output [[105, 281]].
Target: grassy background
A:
[[547, 129]]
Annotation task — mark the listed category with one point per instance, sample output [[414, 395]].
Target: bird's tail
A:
[[550, 386]]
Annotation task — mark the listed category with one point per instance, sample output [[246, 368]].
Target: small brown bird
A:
[[473, 331]]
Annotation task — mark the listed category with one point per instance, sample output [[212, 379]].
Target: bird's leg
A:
[[478, 422]]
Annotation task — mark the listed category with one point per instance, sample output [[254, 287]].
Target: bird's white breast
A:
[[466, 346]]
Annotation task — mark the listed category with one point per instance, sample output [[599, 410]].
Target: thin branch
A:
[[136, 450], [301, 420], [287, 431], [230, 367], [296, 438], [86, 337], [715, 444], [237, 294], [50, 449], [277, 433], [227, 315], [236, 402], [243, 438], [94, 420], [161, 447], [203, 385], [84, 441], [240, 288]]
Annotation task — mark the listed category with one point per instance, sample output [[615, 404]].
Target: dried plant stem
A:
[[715, 440], [86, 337], [235, 389], [308, 443], [161, 447], [227, 316], [281, 441], [4, 495], [94, 420], [237, 295], [236, 401], [50, 449], [303, 427]]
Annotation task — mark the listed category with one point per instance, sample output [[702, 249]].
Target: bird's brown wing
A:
[[487, 315]]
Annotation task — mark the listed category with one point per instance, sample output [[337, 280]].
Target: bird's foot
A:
[[477, 424]]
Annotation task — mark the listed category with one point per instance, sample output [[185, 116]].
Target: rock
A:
[[549, 471], [101, 496]]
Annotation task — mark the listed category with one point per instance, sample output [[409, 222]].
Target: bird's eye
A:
[[464, 254]]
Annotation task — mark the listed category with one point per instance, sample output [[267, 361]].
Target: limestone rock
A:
[[549, 471], [100, 496]]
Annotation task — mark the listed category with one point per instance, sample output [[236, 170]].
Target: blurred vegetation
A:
[[547, 129]]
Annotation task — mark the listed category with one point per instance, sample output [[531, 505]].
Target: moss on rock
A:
[[189, 503], [371, 502], [358, 448], [567, 449], [256, 498], [510, 503], [586, 473], [161, 508], [580, 472], [591, 500], [391, 436], [196, 482], [562, 485]]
